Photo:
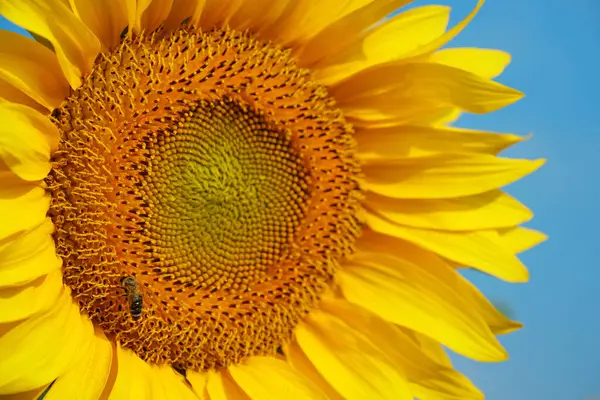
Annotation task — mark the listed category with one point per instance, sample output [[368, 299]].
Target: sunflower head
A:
[[203, 193]]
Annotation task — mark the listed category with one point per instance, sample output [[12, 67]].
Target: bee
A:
[[134, 296]]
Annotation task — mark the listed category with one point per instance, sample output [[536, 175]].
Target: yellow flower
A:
[[249, 199]]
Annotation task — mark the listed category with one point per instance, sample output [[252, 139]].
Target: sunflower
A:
[[249, 199]]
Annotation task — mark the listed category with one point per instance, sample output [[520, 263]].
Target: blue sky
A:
[[557, 64], [557, 355]]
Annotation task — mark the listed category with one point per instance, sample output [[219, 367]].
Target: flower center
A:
[[204, 191]]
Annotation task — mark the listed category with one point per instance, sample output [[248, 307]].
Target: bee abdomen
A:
[[136, 306]]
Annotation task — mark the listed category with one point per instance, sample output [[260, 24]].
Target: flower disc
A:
[[219, 175]]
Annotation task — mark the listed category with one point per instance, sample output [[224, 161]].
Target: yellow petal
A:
[[283, 380], [198, 382], [404, 88], [22, 208], [371, 241], [488, 63], [133, 377], [298, 360], [32, 69], [483, 250], [26, 141], [221, 386], [449, 35], [430, 347], [390, 41], [28, 255], [87, 378], [348, 361], [444, 175], [445, 116], [135, 10], [258, 15], [35, 394], [520, 239], [489, 210], [393, 142], [182, 10], [17, 303], [405, 32], [427, 301], [40, 349], [311, 18], [106, 19], [218, 13], [138, 380], [428, 379], [290, 17], [345, 31], [166, 384], [75, 45], [14, 95], [155, 14], [425, 114]]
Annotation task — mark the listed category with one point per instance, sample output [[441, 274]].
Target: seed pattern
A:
[[220, 176]]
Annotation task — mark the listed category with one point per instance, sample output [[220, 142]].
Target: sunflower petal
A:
[[75, 45], [423, 114], [283, 380], [427, 301], [35, 394], [221, 386], [350, 363], [198, 382], [390, 41], [371, 241], [404, 88], [106, 19], [40, 349], [444, 175], [218, 13], [26, 141], [298, 360], [32, 69], [22, 208], [87, 377], [29, 255], [166, 384], [155, 14], [449, 35], [288, 12], [427, 379], [520, 239], [483, 250], [392, 142], [133, 377], [493, 209], [137, 379], [14, 95], [17, 303], [182, 10], [430, 347], [258, 15], [488, 63], [345, 30], [312, 18]]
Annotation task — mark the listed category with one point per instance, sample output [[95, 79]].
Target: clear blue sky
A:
[[556, 62]]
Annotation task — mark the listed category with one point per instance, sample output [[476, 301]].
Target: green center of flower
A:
[[224, 193]]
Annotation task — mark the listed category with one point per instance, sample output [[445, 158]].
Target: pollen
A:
[[220, 177]]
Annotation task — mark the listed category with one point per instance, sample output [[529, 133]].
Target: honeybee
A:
[[134, 296]]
